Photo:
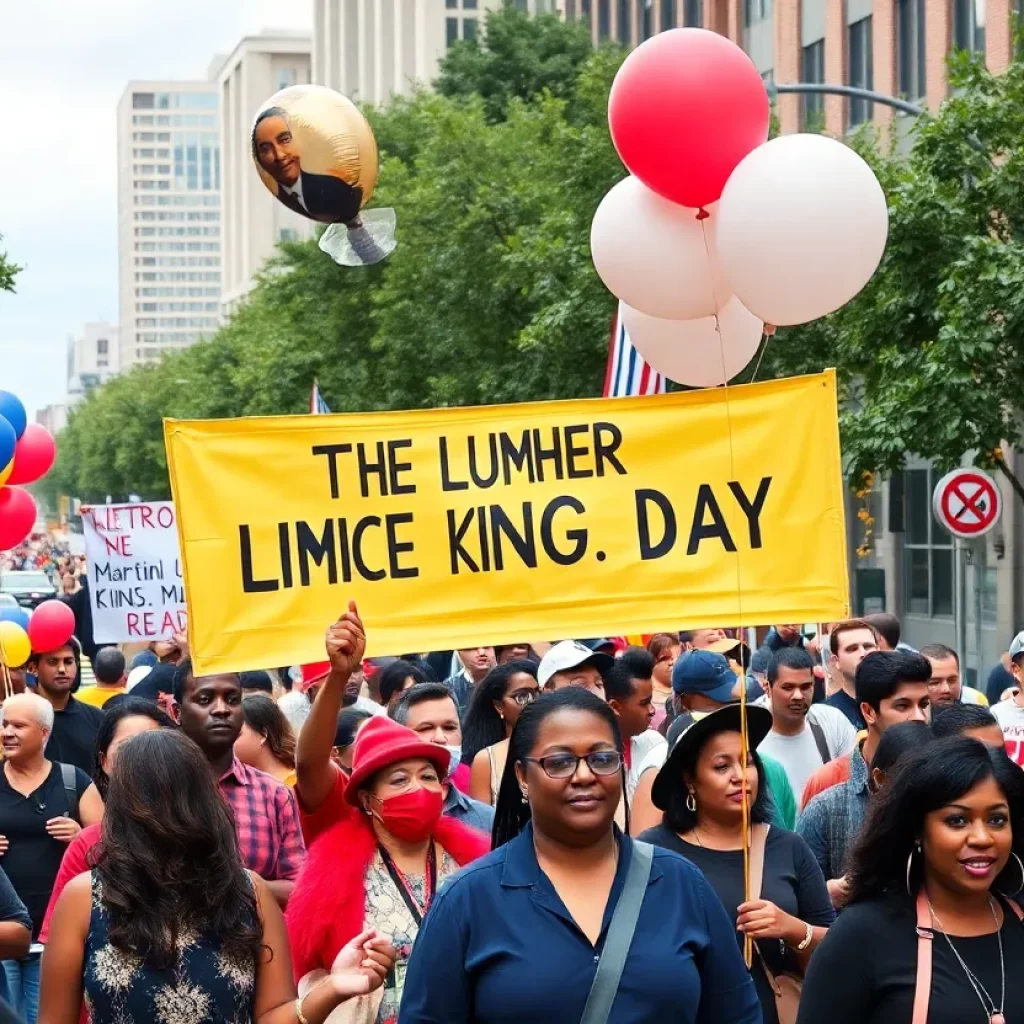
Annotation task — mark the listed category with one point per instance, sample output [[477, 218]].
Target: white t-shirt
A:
[[648, 750], [799, 754], [1011, 721]]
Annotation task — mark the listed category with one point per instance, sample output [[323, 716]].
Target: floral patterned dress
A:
[[205, 986]]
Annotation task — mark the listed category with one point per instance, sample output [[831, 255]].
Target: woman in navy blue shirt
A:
[[517, 936]]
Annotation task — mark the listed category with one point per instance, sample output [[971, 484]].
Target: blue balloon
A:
[[14, 412], [8, 441], [18, 615]]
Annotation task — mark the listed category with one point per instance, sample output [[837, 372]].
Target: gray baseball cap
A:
[[1017, 645]]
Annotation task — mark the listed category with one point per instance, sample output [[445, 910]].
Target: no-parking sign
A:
[[967, 503]]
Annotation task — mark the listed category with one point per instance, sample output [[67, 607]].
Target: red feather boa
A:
[[328, 905]]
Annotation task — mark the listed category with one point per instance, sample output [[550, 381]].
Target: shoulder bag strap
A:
[[923, 986], [620, 935], [758, 842], [819, 738], [70, 781]]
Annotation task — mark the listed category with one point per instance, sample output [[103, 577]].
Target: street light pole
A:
[[852, 91]]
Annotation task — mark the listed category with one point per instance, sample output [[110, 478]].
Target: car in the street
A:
[[29, 589]]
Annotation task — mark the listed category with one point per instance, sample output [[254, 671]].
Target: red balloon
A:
[[33, 455], [685, 108], [17, 516], [51, 626]]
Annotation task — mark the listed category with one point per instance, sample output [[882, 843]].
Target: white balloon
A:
[[655, 255], [801, 228], [692, 351]]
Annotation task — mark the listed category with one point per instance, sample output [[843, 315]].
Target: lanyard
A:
[[406, 890]]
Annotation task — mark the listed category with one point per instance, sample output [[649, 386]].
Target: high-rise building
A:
[[253, 220], [94, 356], [168, 217]]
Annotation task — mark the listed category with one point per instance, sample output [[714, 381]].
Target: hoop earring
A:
[[910, 864], [1010, 895], [691, 803]]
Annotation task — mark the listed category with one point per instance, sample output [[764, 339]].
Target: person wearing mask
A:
[[522, 934], [475, 663], [493, 712], [665, 648], [350, 721], [209, 712], [804, 736], [266, 741], [130, 717], [381, 866], [700, 790], [73, 737], [629, 692], [972, 720], [946, 687], [892, 687], [703, 682], [1010, 712], [108, 667], [43, 806], [429, 710], [571, 663], [213, 945], [850, 643], [941, 847], [394, 679]]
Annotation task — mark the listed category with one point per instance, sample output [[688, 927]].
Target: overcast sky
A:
[[63, 67]]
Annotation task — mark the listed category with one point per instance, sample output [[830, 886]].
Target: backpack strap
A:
[[70, 780], [819, 738], [923, 986]]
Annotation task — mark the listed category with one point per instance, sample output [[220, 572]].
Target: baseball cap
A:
[[571, 654], [1017, 645], [704, 672]]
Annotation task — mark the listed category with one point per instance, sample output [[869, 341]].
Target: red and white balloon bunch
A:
[[718, 232]]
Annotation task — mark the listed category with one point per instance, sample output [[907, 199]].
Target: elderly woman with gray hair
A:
[[43, 806]]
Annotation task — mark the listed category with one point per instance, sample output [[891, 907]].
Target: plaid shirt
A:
[[266, 820], [831, 821]]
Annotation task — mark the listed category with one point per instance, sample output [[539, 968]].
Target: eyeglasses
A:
[[565, 766], [524, 697]]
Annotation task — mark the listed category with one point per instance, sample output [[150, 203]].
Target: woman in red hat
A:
[[381, 866]]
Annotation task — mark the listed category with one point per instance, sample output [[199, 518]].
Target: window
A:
[[604, 19], [625, 23], [469, 28], [451, 4], [469, 5], [647, 20], [927, 550], [861, 71], [102, 346], [910, 66], [969, 25], [668, 14], [693, 12], [142, 101], [452, 30], [755, 11], [287, 77], [812, 72]]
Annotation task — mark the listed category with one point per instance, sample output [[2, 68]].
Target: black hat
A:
[[727, 719]]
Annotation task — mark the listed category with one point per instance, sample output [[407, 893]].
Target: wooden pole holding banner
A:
[[748, 944]]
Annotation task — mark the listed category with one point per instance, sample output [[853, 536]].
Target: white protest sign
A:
[[134, 569]]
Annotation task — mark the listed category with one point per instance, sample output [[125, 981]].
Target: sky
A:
[[63, 67]]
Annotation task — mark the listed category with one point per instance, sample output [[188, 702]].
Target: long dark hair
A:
[[510, 813], [127, 707], [168, 860], [483, 726], [262, 715], [925, 780], [681, 819]]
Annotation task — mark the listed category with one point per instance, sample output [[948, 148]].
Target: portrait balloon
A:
[[316, 153]]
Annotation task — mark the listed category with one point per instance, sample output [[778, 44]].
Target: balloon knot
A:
[[769, 330], [702, 214]]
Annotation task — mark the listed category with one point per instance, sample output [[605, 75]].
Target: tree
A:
[[930, 355], [8, 272]]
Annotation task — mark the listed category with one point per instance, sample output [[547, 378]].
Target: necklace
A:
[[995, 1016]]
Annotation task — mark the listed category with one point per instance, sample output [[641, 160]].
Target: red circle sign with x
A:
[[967, 503]]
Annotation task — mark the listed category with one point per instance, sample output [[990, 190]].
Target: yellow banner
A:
[[458, 527]]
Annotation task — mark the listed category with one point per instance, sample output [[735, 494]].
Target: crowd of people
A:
[[573, 831]]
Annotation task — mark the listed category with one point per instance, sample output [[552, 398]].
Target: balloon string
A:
[[748, 945]]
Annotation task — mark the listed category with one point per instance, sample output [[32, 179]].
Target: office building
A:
[[94, 356], [168, 217], [253, 221], [53, 417]]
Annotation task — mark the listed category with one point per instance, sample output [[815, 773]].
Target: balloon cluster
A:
[[50, 626], [718, 232], [27, 452]]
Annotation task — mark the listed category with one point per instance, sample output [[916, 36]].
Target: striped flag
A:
[[316, 400], [628, 373]]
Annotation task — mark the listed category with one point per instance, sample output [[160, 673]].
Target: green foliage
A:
[[931, 354], [8, 272]]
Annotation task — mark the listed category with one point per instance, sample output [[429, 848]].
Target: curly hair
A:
[[168, 859]]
